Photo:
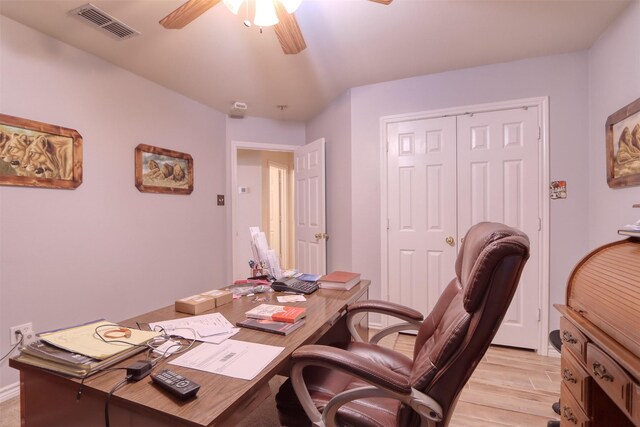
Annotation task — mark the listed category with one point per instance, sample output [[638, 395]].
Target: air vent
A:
[[103, 21]]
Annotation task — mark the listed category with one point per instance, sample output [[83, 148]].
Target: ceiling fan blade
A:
[[288, 31], [382, 1], [187, 13]]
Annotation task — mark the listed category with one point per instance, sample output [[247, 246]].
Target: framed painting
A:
[[36, 154], [623, 146], [159, 170]]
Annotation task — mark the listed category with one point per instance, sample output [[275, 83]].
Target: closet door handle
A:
[[450, 241]]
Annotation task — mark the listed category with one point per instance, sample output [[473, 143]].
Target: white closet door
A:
[[498, 180], [421, 210]]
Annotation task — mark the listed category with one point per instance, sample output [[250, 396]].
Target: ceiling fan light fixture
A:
[[290, 5], [233, 5], [265, 13]]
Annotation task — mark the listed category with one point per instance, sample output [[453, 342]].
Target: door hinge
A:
[[539, 315], [387, 145], [539, 224], [539, 133], [387, 223]]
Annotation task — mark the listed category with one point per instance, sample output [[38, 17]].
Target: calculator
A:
[[291, 284]]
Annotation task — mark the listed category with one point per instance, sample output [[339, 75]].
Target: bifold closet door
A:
[[421, 210], [498, 180]]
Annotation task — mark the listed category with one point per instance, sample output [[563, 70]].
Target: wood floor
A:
[[509, 388]]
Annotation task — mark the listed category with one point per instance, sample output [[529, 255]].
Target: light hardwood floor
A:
[[509, 388]]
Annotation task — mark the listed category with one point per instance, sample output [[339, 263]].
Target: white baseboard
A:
[[552, 352], [10, 391]]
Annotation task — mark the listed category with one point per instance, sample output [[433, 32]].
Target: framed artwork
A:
[[623, 146], [36, 154], [159, 170]]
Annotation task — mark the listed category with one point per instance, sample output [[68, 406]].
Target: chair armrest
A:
[[386, 307], [413, 318], [384, 383]]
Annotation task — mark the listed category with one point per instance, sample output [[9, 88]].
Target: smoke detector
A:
[[239, 106]]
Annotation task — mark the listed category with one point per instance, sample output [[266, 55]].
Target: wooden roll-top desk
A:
[[600, 332]]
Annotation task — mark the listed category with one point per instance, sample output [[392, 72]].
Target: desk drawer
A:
[[573, 339], [576, 379], [571, 414], [613, 380], [635, 404]]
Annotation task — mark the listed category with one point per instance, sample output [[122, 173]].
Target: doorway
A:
[[263, 196], [305, 207], [447, 170]]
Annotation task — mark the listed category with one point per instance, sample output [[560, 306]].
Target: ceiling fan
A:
[[287, 29]]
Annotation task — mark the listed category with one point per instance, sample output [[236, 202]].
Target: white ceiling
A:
[[216, 60]]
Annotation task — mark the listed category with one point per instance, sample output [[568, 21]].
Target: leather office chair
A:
[[363, 384]]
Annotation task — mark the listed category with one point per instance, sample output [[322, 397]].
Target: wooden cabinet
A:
[[600, 366]]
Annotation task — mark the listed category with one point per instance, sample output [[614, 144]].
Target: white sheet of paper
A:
[[291, 298], [186, 327], [167, 348], [237, 359]]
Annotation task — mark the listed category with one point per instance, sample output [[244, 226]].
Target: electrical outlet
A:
[[27, 334]]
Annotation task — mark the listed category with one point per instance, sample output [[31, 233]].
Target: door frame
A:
[[244, 145], [542, 103]]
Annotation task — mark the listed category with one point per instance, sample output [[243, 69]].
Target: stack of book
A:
[[78, 352], [278, 319], [343, 280]]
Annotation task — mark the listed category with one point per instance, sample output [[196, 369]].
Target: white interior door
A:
[[446, 174], [310, 212], [421, 210], [498, 179]]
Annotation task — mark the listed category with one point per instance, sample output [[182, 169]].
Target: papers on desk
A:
[[83, 340], [237, 359], [212, 328]]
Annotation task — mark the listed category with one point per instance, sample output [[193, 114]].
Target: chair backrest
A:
[[456, 334]]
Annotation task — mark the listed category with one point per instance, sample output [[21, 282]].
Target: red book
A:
[[279, 313], [339, 280]]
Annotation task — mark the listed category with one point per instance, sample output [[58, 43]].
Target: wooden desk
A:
[[48, 399], [600, 365]]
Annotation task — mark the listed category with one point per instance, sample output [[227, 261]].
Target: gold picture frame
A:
[[36, 154], [159, 170], [623, 146]]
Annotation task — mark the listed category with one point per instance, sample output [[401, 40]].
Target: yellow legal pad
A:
[[84, 340]]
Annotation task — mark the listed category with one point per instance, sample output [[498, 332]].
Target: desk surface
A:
[[221, 400]]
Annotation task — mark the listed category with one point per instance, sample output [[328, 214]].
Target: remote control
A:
[[176, 384]]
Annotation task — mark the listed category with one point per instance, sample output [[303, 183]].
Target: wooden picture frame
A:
[[623, 146], [36, 154], [159, 170]]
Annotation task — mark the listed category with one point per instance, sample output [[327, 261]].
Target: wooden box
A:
[[195, 304], [221, 296]]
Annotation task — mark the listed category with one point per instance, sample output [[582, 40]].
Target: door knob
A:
[[321, 236], [450, 241]]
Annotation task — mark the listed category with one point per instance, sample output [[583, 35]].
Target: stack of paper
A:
[[79, 351]]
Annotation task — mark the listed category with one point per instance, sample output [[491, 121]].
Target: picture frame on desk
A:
[[37, 154], [160, 170], [623, 146]]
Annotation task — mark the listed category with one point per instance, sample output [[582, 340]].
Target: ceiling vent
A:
[[99, 19]]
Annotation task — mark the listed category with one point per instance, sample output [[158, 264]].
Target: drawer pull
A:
[[567, 337], [567, 375], [567, 414], [600, 371]]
